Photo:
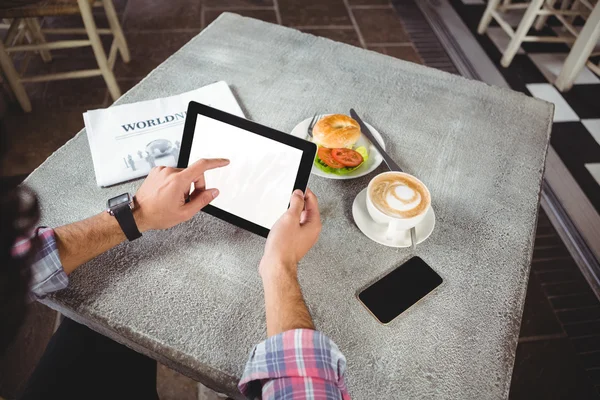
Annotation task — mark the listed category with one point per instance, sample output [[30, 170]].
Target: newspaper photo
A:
[[127, 141]]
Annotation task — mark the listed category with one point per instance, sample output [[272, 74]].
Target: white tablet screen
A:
[[258, 182]]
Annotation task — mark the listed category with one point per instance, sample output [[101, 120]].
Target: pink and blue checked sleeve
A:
[[296, 364], [47, 274]]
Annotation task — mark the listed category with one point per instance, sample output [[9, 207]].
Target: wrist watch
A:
[[121, 208]]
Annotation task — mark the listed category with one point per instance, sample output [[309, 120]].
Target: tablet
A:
[[266, 166]]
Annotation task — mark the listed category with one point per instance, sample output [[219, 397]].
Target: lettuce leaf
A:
[[342, 171]]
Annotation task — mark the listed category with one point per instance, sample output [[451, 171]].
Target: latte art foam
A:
[[399, 195]]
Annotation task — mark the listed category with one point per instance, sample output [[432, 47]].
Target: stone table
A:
[[191, 296]]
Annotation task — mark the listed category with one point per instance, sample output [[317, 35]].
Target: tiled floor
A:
[[556, 344], [558, 356], [156, 29], [576, 131]]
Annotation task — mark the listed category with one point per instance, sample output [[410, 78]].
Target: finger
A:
[[311, 212], [199, 183], [170, 170], [200, 199], [296, 203], [156, 170], [195, 171]]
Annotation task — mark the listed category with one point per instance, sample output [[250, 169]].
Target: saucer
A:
[[376, 232]]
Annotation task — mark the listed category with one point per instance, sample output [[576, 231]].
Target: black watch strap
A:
[[124, 216]]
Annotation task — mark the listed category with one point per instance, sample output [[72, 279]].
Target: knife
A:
[[365, 131], [388, 160]]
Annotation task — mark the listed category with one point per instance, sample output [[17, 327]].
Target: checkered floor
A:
[[576, 130]]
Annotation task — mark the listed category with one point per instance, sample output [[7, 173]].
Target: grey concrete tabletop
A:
[[191, 296]]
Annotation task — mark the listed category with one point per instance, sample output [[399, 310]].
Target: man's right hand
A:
[[161, 200], [293, 234]]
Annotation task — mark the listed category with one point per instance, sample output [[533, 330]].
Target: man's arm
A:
[[81, 241], [289, 240], [284, 303], [295, 358], [161, 202]]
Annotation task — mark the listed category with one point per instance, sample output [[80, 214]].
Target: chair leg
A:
[[574, 7], [505, 4], [13, 79], [521, 32], [487, 16], [90, 27], [36, 32], [19, 35], [115, 27], [13, 30], [542, 19], [580, 52]]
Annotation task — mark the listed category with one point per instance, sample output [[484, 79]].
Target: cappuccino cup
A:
[[398, 200]]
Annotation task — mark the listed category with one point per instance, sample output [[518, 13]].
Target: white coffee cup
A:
[[396, 223]]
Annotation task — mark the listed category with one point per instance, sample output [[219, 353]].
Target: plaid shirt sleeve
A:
[[298, 364], [47, 274]]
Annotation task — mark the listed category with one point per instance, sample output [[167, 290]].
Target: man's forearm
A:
[[285, 306], [81, 241]]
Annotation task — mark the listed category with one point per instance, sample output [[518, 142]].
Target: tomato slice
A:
[[325, 155], [347, 157]]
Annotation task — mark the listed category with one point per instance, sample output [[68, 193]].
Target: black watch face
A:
[[120, 200]]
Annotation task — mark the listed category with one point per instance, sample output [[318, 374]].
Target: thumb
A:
[[297, 203], [200, 199]]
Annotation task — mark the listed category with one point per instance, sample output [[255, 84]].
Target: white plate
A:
[[377, 232], [301, 131]]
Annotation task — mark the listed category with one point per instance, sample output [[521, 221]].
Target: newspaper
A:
[[126, 141]]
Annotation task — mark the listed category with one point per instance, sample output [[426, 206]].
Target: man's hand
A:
[[161, 200], [293, 234], [289, 240], [160, 204]]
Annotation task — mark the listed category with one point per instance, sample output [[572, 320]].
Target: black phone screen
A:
[[397, 291]]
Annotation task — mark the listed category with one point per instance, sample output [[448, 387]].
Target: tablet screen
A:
[[258, 182]]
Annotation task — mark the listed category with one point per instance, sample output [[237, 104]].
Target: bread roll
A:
[[336, 131]]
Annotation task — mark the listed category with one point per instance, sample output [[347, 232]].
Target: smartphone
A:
[[399, 290]]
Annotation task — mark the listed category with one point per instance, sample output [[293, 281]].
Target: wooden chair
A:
[[594, 67], [585, 8], [540, 9], [25, 27]]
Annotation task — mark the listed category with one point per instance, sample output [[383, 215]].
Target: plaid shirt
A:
[[47, 274], [297, 364]]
